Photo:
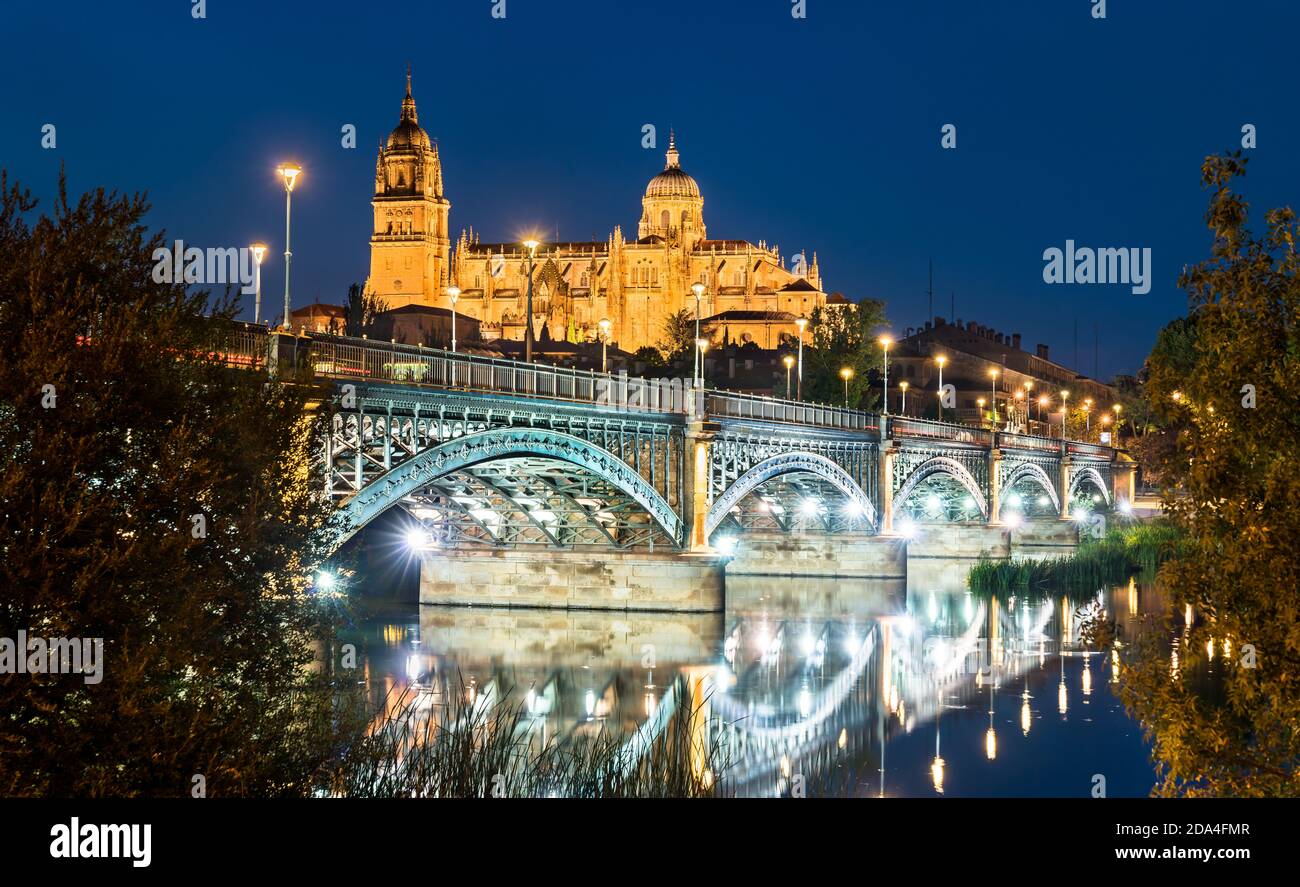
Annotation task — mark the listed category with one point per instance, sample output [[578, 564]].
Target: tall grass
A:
[[1115, 557], [461, 746]]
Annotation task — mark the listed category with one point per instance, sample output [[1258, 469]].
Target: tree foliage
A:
[[844, 337], [361, 312], [1233, 486], [158, 500]]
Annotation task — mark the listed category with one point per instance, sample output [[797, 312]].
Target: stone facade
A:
[[634, 283]]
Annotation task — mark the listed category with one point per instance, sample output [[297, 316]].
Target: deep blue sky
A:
[[820, 133]]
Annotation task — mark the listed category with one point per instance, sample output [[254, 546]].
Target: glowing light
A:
[[810, 507], [1026, 716], [844, 738], [417, 538], [907, 529], [1043, 501], [1062, 698], [325, 580], [853, 508], [1014, 499], [1087, 679], [936, 774], [1012, 519], [991, 744], [969, 502], [1125, 506], [933, 503], [727, 545]]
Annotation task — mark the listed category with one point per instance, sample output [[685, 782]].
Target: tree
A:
[[839, 338], [678, 342], [1222, 385], [155, 499], [362, 311]]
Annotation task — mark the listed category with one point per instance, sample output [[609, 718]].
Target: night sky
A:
[[820, 133]]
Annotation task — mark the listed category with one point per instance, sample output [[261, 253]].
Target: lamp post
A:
[[1043, 402], [1020, 396], [1087, 415], [789, 363], [941, 360], [993, 393], [701, 346], [1065, 412], [698, 289], [980, 401], [846, 374], [1118, 407], [453, 293], [885, 342], [259, 253], [903, 385], [290, 173], [800, 322], [528, 320], [604, 344]]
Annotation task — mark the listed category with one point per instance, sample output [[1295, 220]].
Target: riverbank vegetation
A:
[[1136, 548]]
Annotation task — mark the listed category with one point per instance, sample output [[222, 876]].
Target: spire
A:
[[674, 161], [408, 103]]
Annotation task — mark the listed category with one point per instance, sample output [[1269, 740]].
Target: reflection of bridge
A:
[[497, 454]]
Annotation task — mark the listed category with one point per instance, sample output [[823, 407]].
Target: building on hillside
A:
[[318, 318], [425, 325], [635, 284], [972, 353]]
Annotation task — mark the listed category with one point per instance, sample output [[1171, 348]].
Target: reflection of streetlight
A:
[[991, 736], [604, 343], [259, 253], [789, 363], [528, 329], [903, 409], [846, 374], [289, 172], [453, 293], [800, 322], [885, 342]]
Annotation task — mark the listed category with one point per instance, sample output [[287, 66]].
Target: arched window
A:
[[664, 219], [686, 215]]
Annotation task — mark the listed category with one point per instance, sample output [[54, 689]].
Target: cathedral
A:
[[634, 284]]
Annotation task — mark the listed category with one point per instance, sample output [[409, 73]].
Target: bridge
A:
[[489, 453]]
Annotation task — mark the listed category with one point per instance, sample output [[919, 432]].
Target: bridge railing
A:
[[1028, 442], [902, 426], [346, 357], [736, 405], [1078, 448]]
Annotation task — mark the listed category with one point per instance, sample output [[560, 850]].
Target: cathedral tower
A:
[[409, 243], [673, 207]]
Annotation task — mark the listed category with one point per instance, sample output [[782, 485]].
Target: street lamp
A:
[[1118, 407], [1043, 402], [259, 253], [903, 385], [289, 172], [846, 374], [1087, 418], [800, 322], [885, 342], [698, 289], [980, 401], [789, 362], [453, 293], [941, 360], [993, 391], [1020, 396], [1065, 412], [702, 345], [604, 344], [528, 320]]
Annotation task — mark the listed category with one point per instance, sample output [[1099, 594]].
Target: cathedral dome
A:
[[408, 133], [673, 181]]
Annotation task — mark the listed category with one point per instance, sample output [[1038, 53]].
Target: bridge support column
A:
[[695, 490], [888, 453], [1123, 472], [995, 487], [1065, 487]]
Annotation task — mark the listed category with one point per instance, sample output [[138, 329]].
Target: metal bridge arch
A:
[[502, 443], [785, 463], [1036, 473], [1093, 475], [940, 465]]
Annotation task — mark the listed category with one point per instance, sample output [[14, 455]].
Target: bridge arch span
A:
[[1093, 476], [1035, 473], [467, 451], [788, 463], [940, 465]]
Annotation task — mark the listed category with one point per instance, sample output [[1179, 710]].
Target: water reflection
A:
[[875, 690]]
